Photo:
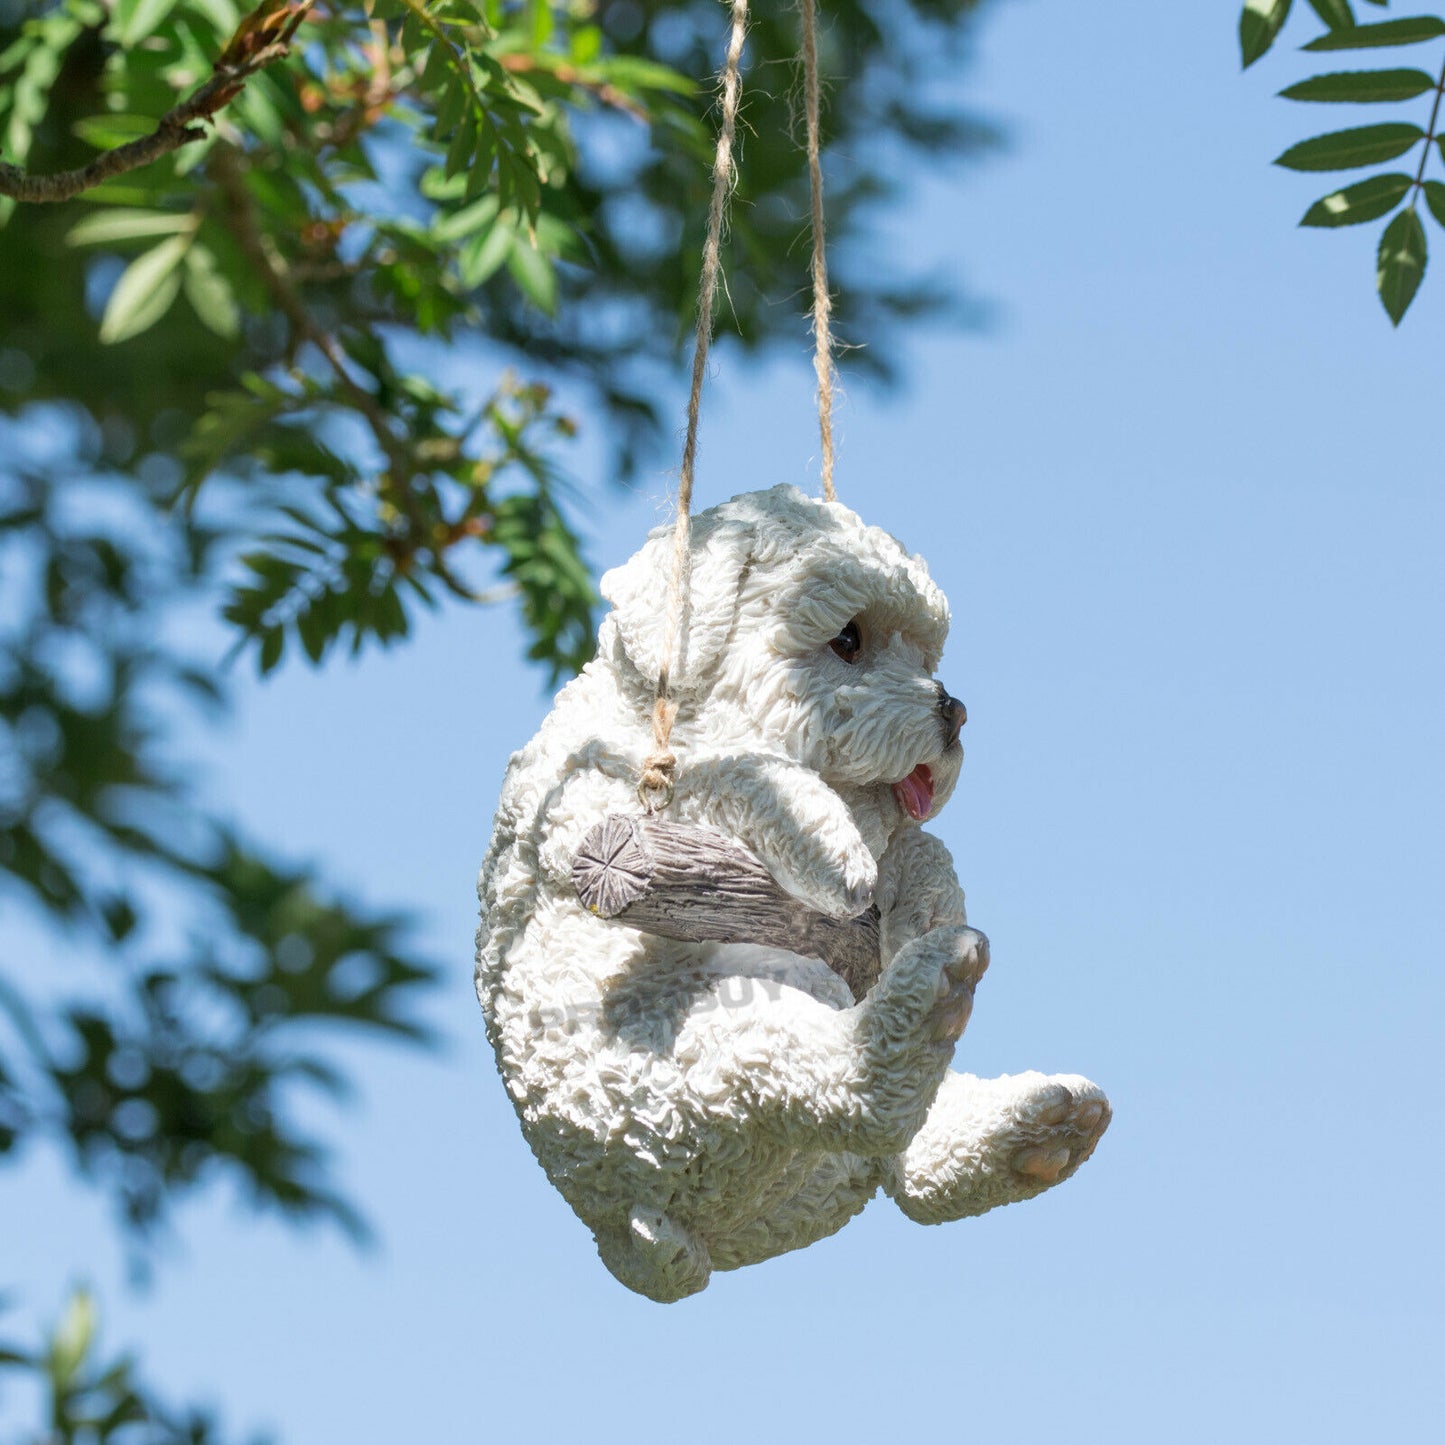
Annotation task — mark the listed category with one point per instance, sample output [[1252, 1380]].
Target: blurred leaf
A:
[[135, 19], [73, 1338], [1409, 31], [463, 144], [273, 641], [1402, 258], [1365, 201], [125, 224], [105, 132], [208, 290], [482, 255], [1362, 86], [1259, 23], [644, 74], [90, 1401], [535, 275], [449, 228], [144, 292], [1341, 150]]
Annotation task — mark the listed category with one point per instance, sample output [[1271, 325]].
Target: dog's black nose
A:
[[954, 715]]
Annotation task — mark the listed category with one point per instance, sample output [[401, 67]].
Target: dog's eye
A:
[[848, 643]]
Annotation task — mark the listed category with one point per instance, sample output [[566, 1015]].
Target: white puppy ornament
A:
[[704, 1105], [724, 1033]]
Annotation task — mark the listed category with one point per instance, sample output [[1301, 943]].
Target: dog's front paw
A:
[[829, 873], [917, 890], [797, 826], [906, 1029], [840, 881], [815, 852]]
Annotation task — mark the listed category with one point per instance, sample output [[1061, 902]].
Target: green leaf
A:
[[1362, 86], [1366, 201], [636, 72], [104, 132], [1259, 23], [210, 293], [273, 639], [136, 19], [480, 174], [482, 255], [534, 274], [1335, 13], [1409, 31], [1343, 150], [450, 227], [1435, 199], [73, 1337], [315, 633], [464, 144], [438, 66], [144, 292], [586, 44], [126, 223], [1401, 263], [451, 108]]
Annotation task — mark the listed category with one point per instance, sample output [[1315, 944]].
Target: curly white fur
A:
[[706, 1106]]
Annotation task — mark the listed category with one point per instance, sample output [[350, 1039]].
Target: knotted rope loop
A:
[[655, 786]]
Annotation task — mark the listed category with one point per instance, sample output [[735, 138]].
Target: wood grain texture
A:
[[696, 885]]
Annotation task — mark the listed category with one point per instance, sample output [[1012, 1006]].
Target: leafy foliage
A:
[[354, 560], [181, 1068], [1403, 249], [87, 1400]]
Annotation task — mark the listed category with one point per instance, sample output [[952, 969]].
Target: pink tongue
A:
[[915, 792]]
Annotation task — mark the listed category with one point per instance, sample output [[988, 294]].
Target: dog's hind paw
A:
[[1067, 1116], [655, 1256], [997, 1141]]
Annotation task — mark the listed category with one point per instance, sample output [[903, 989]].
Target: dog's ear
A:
[[638, 592]]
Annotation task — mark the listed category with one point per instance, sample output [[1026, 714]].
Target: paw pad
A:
[[1045, 1165]]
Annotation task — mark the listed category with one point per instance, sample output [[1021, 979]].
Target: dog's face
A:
[[809, 634]]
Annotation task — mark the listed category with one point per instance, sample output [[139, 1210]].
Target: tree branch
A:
[[263, 36]]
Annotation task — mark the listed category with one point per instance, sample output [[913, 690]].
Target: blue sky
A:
[[1187, 500]]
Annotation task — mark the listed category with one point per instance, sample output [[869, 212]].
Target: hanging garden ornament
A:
[[722, 964]]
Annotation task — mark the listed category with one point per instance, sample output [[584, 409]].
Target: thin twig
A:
[[261, 39], [271, 268], [1430, 135]]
